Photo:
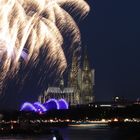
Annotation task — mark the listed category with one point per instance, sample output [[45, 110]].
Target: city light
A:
[[51, 104], [28, 107]]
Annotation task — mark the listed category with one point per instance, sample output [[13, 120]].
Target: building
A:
[[73, 81], [80, 86], [82, 80], [58, 92], [86, 81]]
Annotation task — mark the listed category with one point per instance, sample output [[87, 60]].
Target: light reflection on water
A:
[[85, 133], [100, 133]]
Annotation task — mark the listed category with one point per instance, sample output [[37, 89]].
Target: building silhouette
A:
[[80, 85], [86, 81], [58, 92], [73, 80]]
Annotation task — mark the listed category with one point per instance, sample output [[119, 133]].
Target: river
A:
[[84, 133]]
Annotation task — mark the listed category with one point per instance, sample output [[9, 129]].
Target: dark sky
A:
[[111, 33]]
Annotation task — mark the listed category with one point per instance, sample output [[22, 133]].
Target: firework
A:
[[33, 28]]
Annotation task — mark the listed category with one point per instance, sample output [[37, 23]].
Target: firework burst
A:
[[34, 29]]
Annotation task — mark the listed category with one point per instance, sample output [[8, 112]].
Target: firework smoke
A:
[[30, 29]]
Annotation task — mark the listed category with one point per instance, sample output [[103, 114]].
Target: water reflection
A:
[[91, 133], [84, 133]]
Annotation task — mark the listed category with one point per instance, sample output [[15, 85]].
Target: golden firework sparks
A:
[[27, 26]]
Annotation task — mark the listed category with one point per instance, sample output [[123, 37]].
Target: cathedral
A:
[[80, 85]]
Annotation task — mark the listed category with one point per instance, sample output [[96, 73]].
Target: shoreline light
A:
[[51, 104]]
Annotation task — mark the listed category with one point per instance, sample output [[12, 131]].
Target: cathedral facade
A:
[[80, 86], [82, 80]]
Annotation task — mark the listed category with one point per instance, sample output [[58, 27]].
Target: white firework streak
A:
[[29, 26]]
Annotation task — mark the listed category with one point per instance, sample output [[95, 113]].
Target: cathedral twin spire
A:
[[81, 79]]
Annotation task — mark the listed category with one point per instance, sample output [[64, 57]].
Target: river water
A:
[[84, 133]]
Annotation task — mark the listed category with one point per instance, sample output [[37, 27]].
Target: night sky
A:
[[111, 33]]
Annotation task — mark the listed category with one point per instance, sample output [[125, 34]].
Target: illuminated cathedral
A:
[[80, 85]]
